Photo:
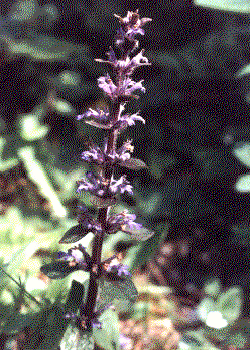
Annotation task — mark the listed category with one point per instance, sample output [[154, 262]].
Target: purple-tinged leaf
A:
[[102, 202], [133, 163], [99, 125], [58, 270], [74, 234]]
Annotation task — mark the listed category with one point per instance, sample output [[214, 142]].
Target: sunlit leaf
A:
[[205, 306], [41, 48], [24, 10], [58, 270], [243, 184], [73, 340], [226, 5], [212, 288], [237, 340], [242, 153], [108, 336], [69, 78], [230, 304], [74, 234], [31, 129]]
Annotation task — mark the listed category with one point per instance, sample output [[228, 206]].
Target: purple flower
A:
[[121, 154], [121, 221], [77, 255], [107, 85], [120, 269], [128, 120], [95, 155], [99, 115], [92, 184], [98, 187], [120, 185], [129, 86], [128, 65], [130, 26]]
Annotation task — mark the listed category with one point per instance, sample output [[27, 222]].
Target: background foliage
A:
[[196, 141]]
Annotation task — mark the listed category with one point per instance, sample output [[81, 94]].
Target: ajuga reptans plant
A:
[[100, 182]]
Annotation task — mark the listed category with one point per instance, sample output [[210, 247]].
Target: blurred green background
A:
[[196, 140]]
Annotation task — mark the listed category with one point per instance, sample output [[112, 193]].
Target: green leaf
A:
[[191, 340], [140, 235], [205, 306], [123, 291], [230, 304], [99, 125], [41, 48], [73, 340], [58, 270], [108, 337], [74, 234], [146, 249], [242, 153], [243, 184], [18, 323], [6, 164], [241, 6], [31, 129], [54, 329], [212, 288], [133, 163], [75, 297]]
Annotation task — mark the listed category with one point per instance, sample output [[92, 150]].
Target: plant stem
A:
[[102, 219]]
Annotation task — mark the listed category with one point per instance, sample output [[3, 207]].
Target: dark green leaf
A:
[[75, 296], [134, 163], [102, 202], [74, 234], [59, 269], [98, 125], [124, 291], [147, 249]]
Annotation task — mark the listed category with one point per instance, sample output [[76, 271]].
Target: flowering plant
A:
[[101, 184]]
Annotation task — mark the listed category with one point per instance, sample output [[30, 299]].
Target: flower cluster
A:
[[101, 184], [126, 88], [100, 157], [122, 222], [97, 186], [130, 26]]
